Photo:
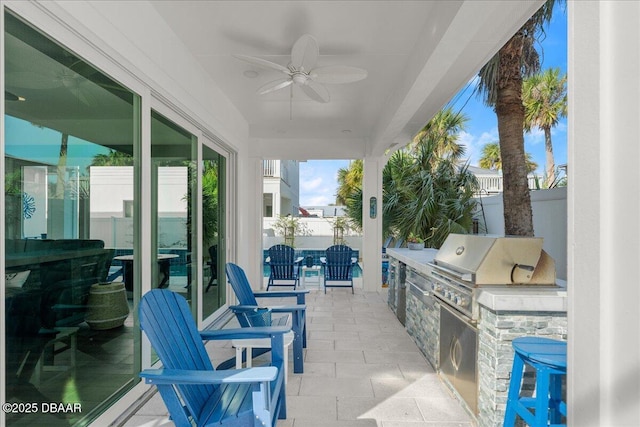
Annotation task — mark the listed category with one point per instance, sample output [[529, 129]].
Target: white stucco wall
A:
[[603, 213], [549, 221]]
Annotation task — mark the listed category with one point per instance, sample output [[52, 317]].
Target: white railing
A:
[[269, 168], [493, 184]]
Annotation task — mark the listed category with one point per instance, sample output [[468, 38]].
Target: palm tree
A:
[[444, 130], [500, 84], [435, 197], [545, 103], [112, 158], [425, 191], [349, 180], [491, 158]]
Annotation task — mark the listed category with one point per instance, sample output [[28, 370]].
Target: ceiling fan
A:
[[303, 72]]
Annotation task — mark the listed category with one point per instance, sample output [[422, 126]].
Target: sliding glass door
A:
[[76, 190], [71, 138], [174, 206], [213, 290]]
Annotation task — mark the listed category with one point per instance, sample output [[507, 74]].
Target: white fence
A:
[[549, 221]]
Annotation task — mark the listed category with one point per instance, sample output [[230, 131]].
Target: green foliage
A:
[[426, 193], [412, 238], [349, 180], [113, 158], [491, 158], [435, 199]]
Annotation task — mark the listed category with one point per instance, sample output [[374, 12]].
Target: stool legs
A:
[[557, 407], [547, 404], [513, 396]]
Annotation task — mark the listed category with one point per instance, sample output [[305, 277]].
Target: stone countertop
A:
[[496, 298], [523, 298], [415, 259]]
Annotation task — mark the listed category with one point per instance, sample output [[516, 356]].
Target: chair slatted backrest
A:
[[339, 265], [281, 261], [167, 321], [240, 284]]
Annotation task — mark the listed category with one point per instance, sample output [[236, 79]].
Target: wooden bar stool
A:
[[549, 359]]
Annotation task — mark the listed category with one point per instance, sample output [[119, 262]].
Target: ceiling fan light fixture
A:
[[303, 72], [299, 78]]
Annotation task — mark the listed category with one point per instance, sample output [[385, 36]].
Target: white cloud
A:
[[474, 144], [310, 184], [318, 181], [535, 137], [317, 200]]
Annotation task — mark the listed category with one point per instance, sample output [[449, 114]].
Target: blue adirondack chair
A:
[[284, 266], [192, 390], [338, 267], [247, 300]]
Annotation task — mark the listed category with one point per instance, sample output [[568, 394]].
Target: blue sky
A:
[[318, 178]]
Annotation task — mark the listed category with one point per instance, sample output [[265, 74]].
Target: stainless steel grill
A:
[[463, 265], [467, 262]]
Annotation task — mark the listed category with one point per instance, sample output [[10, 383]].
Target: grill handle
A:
[[521, 273]]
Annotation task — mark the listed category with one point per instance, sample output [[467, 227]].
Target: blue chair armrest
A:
[[299, 294], [281, 294], [288, 308], [244, 333], [180, 376], [244, 308]]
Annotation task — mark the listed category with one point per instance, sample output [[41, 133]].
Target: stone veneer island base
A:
[[506, 312]]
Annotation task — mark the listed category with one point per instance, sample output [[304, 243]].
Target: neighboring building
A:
[[490, 180], [281, 183]]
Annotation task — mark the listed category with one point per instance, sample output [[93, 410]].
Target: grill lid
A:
[[497, 260]]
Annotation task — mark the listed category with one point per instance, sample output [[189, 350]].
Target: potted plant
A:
[[290, 226], [414, 242], [340, 225]]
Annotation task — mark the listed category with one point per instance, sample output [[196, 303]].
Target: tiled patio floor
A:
[[361, 369]]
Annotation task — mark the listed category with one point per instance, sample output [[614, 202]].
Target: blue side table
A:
[[549, 359]]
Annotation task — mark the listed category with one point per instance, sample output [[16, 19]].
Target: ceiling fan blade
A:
[[337, 74], [263, 63], [316, 91], [275, 85], [8, 96], [32, 80], [304, 54]]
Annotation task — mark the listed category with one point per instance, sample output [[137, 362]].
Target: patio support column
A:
[[371, 252], [604, 213], [247, 244]]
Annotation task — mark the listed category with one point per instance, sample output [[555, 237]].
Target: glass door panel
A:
[[174, 205], [71, 133], [213, 290]]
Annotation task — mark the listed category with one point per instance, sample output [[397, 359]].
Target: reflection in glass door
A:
[[174, 205], [213, 290], [71, 133]]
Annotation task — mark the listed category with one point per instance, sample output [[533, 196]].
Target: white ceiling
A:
[[418, 54]]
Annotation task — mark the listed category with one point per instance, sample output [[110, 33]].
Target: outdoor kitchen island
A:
[[472, 352]]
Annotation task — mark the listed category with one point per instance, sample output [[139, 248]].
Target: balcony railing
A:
[[269, 168]]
